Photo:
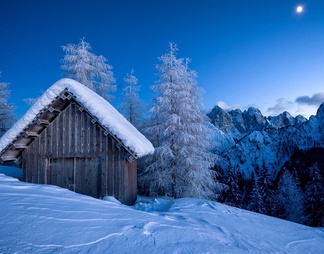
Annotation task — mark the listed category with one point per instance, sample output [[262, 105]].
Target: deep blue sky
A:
[[246, 53]]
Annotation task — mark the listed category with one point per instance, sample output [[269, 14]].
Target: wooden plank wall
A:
[[99, 164]]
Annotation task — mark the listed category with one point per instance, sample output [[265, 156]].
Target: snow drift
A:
[[48, 219]]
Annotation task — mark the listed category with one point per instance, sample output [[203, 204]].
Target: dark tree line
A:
[[297, 194]]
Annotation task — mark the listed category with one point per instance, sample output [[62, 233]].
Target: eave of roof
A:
[[99, 108]]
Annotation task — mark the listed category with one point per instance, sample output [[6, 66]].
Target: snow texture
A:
[[106, 114], [47, 219]]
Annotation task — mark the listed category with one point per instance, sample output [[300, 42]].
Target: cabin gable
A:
[[67, 146]]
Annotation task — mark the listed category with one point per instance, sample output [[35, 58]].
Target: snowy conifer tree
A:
[[256, 203], [266, 189], [315, 198], [132, 107], [181, 164], [6, 109], [232, 193], [89, 69], [289, 199]]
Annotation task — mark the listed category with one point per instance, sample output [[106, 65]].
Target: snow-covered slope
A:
[[48, 219]]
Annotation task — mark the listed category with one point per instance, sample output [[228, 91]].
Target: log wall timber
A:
[[75, 152]]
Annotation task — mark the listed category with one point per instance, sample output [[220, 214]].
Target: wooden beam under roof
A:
[[30, 134], [42, 122], [18, 146], [11, 155], [54, 110], [8, 158]]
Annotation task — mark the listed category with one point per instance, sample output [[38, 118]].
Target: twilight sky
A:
[[247, 53]]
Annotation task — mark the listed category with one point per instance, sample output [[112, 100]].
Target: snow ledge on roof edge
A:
[[106, 114]]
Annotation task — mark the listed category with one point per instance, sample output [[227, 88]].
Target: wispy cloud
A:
[[281, 105], [315, 100], [225, 106]]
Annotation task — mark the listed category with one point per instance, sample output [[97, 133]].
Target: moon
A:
[[299, 9]]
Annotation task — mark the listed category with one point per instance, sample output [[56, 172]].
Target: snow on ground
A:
[[48, 219]]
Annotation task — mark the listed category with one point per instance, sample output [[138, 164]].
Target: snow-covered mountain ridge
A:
[[255, 141]]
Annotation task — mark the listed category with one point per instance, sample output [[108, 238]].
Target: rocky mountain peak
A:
[[320, 112], [219, 117], [282, 120], [254, 120], [300, 119]]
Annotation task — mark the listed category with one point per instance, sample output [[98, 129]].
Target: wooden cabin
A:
[[75, 139]]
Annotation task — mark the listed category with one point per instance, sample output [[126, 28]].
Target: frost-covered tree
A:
[[181, 164], [30, 101], [289, 200], [89, 69], [266, 188], [256, 203], [132, 106], [232, 194], [6, 109], [314, 205]]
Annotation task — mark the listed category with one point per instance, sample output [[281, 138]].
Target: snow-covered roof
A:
[[97, 106]]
